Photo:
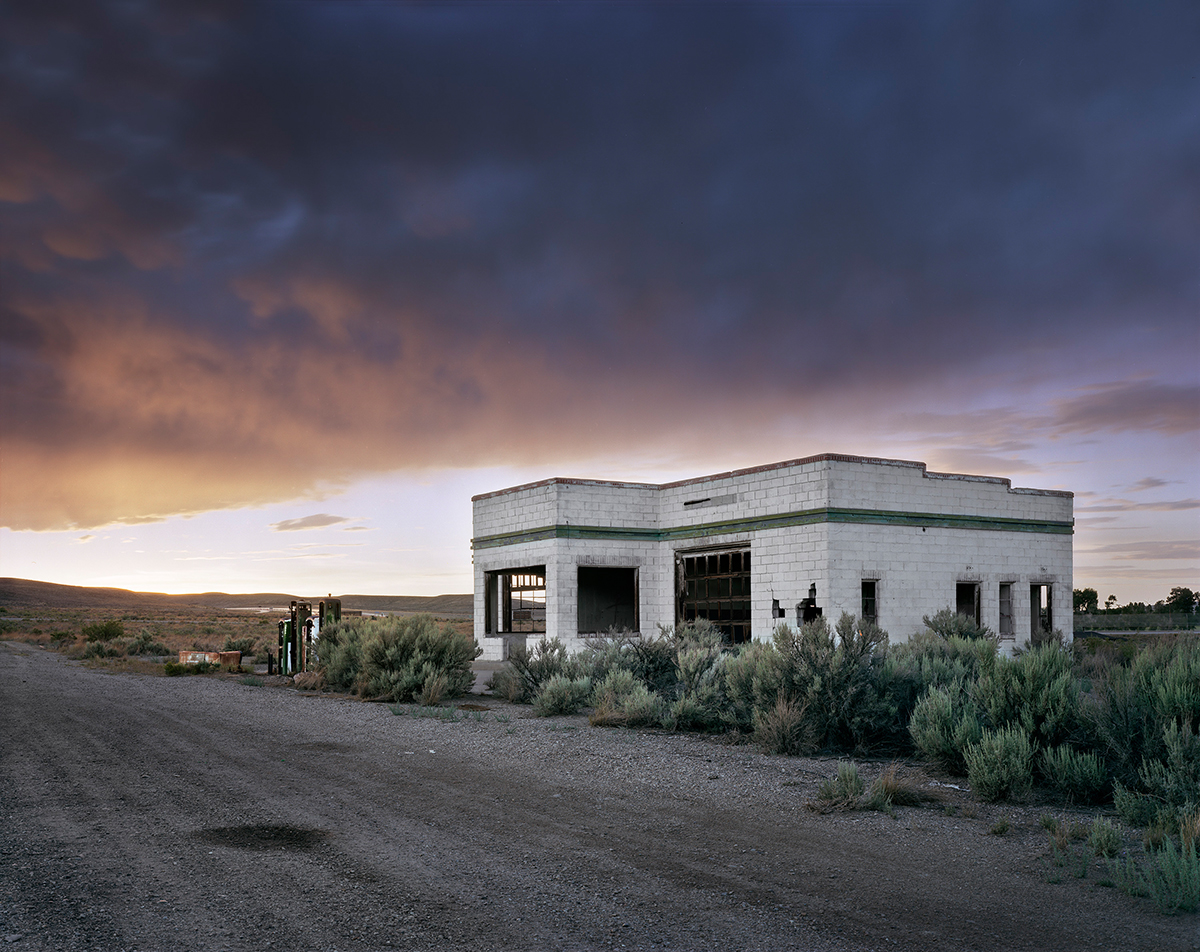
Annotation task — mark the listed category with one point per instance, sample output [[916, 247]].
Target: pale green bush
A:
[[1000, 764], [1037, 692], [943, 724], [1079, 776], [562, 695], [396, 659]]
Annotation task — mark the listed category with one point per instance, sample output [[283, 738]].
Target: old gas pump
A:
[[287, 647], [301, 631]]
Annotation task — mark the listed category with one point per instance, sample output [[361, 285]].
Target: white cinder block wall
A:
[[830, 521]]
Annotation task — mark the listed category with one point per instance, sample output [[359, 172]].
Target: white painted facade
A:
[[830, 521]]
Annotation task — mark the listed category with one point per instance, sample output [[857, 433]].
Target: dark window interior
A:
[[966, 600], [515, 600], [870, 610], [716, 586], [1006, 615], [608, 599]]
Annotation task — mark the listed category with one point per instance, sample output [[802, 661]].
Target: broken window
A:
[[1006, 613], [716, 586], [966, 600], [608, 599], [870, 610], [515, 600], [1040, 616]]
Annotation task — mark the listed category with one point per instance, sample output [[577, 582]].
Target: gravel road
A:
[[149, 813]]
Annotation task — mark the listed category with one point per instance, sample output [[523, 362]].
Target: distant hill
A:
[[27, 593]]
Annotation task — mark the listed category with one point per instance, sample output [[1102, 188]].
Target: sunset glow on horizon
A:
[[283, 285]]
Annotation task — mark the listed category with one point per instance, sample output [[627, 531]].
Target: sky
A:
[[282, 285]]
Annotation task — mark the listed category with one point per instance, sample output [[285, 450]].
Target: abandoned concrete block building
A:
[[883, 539]]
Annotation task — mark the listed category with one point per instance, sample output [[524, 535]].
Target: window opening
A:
[[515, 600], [870, 608], [966, 600], [1006, 613], [608, 599], [716, 586], [1040, 616]]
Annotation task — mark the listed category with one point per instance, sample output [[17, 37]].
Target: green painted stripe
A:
[[878, 517]]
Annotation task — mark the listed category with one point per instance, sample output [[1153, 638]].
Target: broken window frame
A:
[[1007, 629], [504, 614], [718, 590]]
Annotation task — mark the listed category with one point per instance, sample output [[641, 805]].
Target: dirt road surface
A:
[[149, 813]]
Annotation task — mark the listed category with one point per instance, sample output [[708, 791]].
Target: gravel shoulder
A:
[[151, 813]]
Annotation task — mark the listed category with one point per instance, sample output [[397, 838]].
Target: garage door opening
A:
[[716, 586]]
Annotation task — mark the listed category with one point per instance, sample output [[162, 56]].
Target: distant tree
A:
[[1086, 599], [1181, 600], [1110, 603]]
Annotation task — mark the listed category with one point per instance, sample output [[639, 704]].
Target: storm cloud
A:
[[254, 252]]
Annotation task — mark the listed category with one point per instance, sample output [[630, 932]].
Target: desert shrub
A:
[[1104, 838], [507, 684], [1078, 776], [307, 681], [948, 623], [174, 669], [146, 644], [432, 689], [833, 681], [691, 714], [1169, 876], [1134, 704], [605, 654], [1174, 781], [895, 791], [1000, 764], [621, 700], [643, 708], [562, 695], [247, 646], [1055, 639], [1173, 878], [843, 789], [340, 650], [943, 724], [751, 681], [1189, 829], [619, 683], [1037, 692], [534, 667], [101, 649], [396, 658], [783, 728], [104, 631]]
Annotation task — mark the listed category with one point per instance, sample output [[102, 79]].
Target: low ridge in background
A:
[[30, 593]]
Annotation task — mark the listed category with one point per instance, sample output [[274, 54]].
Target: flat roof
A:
[[768, 467]]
